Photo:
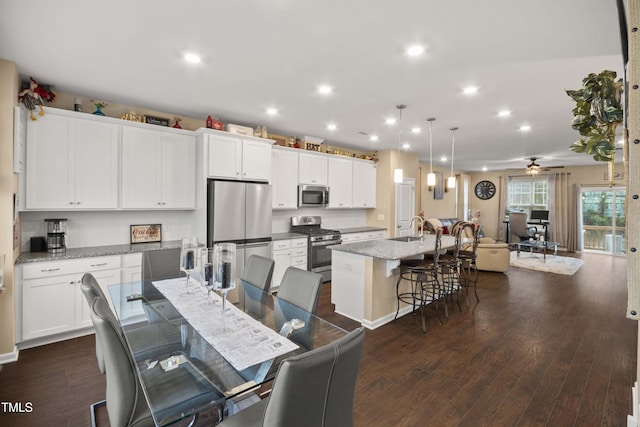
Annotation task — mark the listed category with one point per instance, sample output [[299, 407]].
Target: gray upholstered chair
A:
[[315, 389], [126, 403], [300, 287], [258, 272], [518, 226]]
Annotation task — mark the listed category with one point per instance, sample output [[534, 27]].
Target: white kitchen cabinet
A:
[[239, 158], [364, 184], [363, 236], [72, 163], [287, 253], [158, 169], [131, 279], [52, 301], [284, 183], [340, 179], [312, 169]]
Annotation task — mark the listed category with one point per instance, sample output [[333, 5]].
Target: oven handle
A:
[[327, 243]]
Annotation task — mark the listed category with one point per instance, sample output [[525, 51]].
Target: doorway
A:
[[405, 206], [603, 221]]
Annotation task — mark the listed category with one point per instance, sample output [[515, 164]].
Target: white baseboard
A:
[[9, 357], [36, 342], [632, 420]]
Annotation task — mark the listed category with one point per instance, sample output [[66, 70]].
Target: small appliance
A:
[[313, 195], [56, 235]]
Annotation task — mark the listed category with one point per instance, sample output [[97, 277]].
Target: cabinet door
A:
[[178, 171], [96, 150], [141, 168], [225, 157], [312, 169], [50, 163], [364, 185], [104, 278], [284, 167], [256, 160], [282, 262], [340, 183], [48, 305]]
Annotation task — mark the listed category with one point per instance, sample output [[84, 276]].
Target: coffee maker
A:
[[56, 232]]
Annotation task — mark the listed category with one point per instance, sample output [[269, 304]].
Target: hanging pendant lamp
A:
[[451, 181], [398, 173], [431, 177]]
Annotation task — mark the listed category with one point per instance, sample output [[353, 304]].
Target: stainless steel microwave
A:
[[313, 195]]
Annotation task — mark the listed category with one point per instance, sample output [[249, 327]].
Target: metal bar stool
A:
[[424, 287], [449, 268], [468, 256]]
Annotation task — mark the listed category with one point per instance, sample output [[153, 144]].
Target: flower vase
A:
[[98, 111]]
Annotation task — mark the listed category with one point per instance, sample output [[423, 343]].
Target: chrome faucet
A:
[[421, 223]]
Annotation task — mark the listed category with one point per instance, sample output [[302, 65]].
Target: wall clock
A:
[[485, 190]]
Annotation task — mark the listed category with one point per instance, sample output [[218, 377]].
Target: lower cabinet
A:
[[287, 253], [361, 237], [52, 301]]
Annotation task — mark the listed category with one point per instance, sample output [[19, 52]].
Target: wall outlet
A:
[[380, 217]]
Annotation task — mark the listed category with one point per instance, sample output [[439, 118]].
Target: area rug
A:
[[554, 264]]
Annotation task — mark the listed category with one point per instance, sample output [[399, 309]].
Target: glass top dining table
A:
[[169, 326]]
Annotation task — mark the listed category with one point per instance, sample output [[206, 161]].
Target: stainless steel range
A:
[[318, 253]]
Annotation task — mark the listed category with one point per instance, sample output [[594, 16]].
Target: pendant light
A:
[[397, 173], [431, 177], [451, 181]]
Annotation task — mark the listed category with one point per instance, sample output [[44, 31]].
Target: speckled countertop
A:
[[360, 229], [95, 251], [393, 250], [285, 236]]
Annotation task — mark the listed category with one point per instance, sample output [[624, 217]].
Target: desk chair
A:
[[519, 228], [314, 389]]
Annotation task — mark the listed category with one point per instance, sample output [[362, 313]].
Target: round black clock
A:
[[485, 190]]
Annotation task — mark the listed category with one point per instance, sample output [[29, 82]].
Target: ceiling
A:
[[257, 54]]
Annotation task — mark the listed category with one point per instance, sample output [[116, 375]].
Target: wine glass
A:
[[225, 264], [209, 278], [190, 258]]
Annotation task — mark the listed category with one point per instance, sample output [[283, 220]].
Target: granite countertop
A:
[[285, 236], [393, 250], [349, 230], [96, 251]]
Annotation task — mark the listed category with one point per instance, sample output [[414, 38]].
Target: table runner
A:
[[239, 338]]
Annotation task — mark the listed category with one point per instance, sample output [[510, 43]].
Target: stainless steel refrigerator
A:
[[240, 213]]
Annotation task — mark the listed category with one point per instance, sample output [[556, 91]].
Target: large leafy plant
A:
[[597, 114]]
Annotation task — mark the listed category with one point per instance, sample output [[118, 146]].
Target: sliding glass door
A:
[[603, 220]]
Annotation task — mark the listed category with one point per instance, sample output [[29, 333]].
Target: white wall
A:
[[331, 218]]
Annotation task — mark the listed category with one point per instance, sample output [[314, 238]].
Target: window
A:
[[526, 194]]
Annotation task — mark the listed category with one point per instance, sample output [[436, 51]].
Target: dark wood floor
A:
[[538, 350]]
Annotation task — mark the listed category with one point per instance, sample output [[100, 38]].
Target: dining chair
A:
[[518, 226], [257, 272], [126, 404], [314, 389], [301, 288]]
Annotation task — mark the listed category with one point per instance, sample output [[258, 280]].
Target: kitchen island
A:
[[364, 275]]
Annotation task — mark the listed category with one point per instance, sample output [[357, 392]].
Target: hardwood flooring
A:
[[538, 350]]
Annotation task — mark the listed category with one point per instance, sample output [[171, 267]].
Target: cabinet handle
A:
[[72, 283], [51, 269], [159, 203], [99, 264], [237, 173], [77, 203], [71, 203]]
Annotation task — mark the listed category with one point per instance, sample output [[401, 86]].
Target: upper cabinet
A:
[[72, 163], [364, 184], [284, 174], [312, 169], [340, 182], [238, 157], [158, 169]]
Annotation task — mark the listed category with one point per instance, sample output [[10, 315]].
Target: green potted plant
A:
[[597, 114]]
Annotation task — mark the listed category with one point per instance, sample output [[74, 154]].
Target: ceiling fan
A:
[[534, 169]]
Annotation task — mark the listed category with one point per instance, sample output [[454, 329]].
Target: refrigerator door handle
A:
[[256, 245]]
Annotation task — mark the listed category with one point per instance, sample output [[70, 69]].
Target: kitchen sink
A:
[[406, 239]]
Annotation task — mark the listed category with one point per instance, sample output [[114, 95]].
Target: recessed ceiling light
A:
[[470, 90], [192, 58], [415, 50], [390, 121], [332, 126], [325, 89], [504, 113], [484, 169], [525, 128], [272, 111], [443, 159], [373, 138], [406, 145], [416, 130]]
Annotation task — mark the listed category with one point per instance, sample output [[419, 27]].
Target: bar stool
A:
[[449, 268], [424, 287], [468, 256]]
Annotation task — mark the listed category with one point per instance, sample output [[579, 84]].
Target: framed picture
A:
[[438, 191], [146, 233], [616, 175], [160, 121]]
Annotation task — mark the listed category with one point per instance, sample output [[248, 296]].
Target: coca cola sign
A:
[[146, 233]]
